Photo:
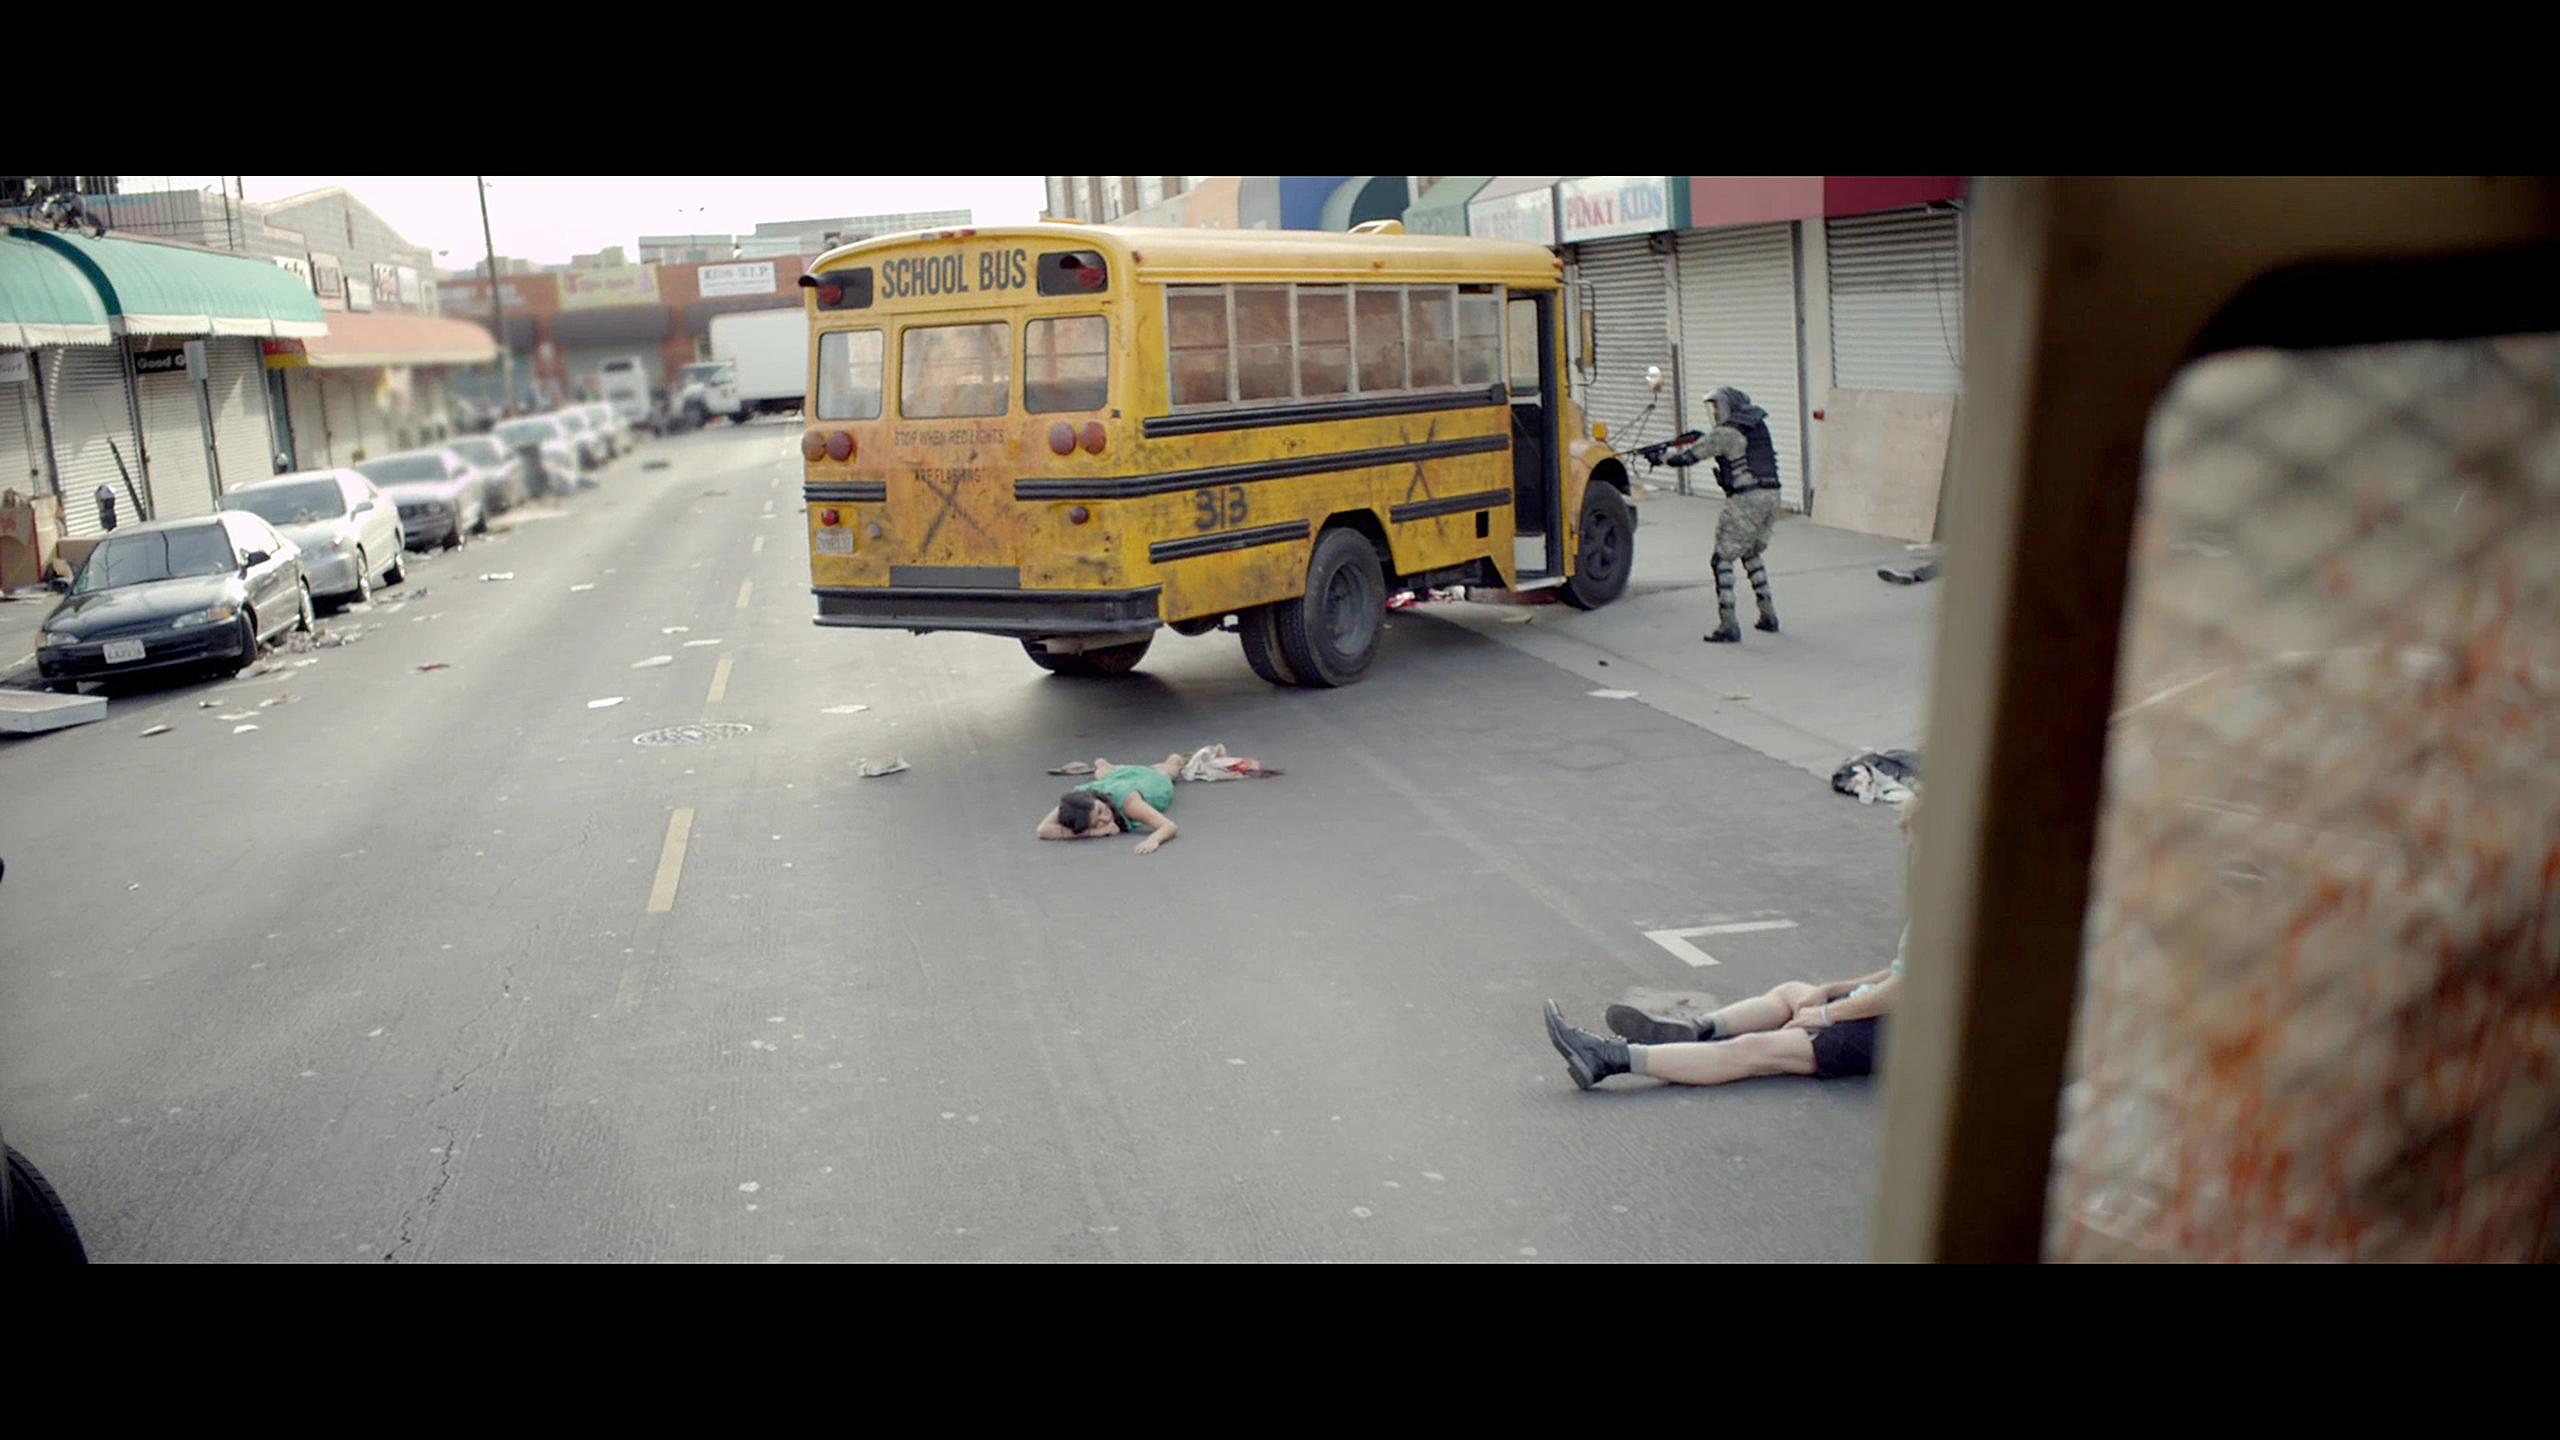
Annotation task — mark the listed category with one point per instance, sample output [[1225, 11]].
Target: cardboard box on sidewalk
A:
[[30, 532]]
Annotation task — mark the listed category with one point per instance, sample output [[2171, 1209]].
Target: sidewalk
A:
[[1849, 672]]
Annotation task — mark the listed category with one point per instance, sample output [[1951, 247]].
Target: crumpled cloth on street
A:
[[1888, 777], [1212, 762]]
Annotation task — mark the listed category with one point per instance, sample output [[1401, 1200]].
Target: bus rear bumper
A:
[[1028, 613]]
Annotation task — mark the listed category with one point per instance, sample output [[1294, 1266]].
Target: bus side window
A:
[[1378, 312], [1324, 342], [1265, 348], [849, 365], [1431, 311], [1196, 322], [1523, 348], [1480, 338], [1066, 364]]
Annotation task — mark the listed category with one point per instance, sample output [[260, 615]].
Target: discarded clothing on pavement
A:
[[1879, 776], [1209, 762]]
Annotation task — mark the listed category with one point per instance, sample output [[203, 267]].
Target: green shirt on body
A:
[[1144, 781]]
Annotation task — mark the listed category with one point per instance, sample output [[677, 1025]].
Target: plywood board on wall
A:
[[1884, 453]]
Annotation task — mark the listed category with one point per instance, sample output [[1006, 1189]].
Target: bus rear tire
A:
[[1109, 660], [1331, 633], [1607, 550], [1260, 627]]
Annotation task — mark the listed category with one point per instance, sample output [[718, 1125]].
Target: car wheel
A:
[[458, 537], [40, 1228], [248, 644], [398, 571], [1331, 633], [363, 594], [302, 622], [1606, 553]]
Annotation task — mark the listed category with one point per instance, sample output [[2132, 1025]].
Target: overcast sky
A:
[[548, 218]]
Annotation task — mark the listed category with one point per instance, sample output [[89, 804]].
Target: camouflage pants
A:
[[1742, 533]]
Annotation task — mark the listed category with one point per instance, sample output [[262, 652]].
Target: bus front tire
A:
[[1260, 627], [1607, 551], [1109, 660], [1331, 633]]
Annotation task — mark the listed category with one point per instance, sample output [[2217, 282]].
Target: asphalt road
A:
[[441, 965]]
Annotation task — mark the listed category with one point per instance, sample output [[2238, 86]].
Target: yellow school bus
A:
[[1074, 435]]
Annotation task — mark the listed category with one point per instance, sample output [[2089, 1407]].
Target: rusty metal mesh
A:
[[2320, 1005]]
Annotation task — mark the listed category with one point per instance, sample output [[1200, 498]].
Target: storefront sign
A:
[[1529, 215], [1602, 206], [410, 293], [284, 354], [722, 280], [386, 284], [13, 367], [359, 294], [295, 263], [187, 360], [605, 288]]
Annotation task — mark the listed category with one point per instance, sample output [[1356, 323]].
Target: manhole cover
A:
[[693, 734]]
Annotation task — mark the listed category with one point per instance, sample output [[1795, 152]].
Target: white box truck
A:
[[770, 349]]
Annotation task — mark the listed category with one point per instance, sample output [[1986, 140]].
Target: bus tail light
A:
[[813, 446], [1062, 438], [829, 516], [1077, 514], [840, 445], [1094, 437]]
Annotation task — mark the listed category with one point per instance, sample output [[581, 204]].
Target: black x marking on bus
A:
[[950, 506], [1422, 482]]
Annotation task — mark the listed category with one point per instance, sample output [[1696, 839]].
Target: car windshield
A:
[[526, 432], [122, 560], [707, 374], [290, 504], [480, 450], [573, 420], [403, 469]]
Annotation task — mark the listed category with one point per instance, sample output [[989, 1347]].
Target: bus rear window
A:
[[1066, 364], [946, 371], [849, 374]]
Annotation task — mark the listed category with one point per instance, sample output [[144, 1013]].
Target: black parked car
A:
[[173, 594]]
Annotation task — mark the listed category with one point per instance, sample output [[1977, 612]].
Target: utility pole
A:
[[498, 309]]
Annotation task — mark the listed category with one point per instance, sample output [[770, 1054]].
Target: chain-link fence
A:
[[2320, 1010]]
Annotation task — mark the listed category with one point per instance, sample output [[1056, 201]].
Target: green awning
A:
[[45, 300], [166, 290], [1442, 210], [1363, 198]]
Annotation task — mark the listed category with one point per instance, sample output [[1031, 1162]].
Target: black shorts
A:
[[1848, 1048]]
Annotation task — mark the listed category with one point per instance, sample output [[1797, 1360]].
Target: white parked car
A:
[[348, 531]]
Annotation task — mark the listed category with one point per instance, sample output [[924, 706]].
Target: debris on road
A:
[[155, 730], [673, 629], [434, 665], [1878, 776], [498, 575], [305, 664], [869, 768], [574, 589], [689, 644], [1212, 762], [1738, 695], [844, 709], [274, 700], [1073, 767], [1613, 694], [242, 729], [208, 704], [241, 715], [653, 662], [606, 703]]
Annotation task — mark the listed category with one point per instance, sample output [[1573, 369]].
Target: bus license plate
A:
[[120, 651], [832, 541]]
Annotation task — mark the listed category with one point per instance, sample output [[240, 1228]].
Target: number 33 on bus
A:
[[1074, 435]]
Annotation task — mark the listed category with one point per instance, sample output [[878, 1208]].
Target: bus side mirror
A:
[[1588, 349]]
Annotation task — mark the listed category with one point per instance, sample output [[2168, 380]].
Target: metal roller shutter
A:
[[84, 392], [173, 440], [22, 459], [315, 445], [242, 440], [1738, 327], [1897, 302], [1631, 298]]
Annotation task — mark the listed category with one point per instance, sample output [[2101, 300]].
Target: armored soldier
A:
[[1746, 462]]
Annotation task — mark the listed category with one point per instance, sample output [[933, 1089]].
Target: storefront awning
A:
[[1442, 210], [45, 300], [165, 290], [371, 341], [1363, 198]]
